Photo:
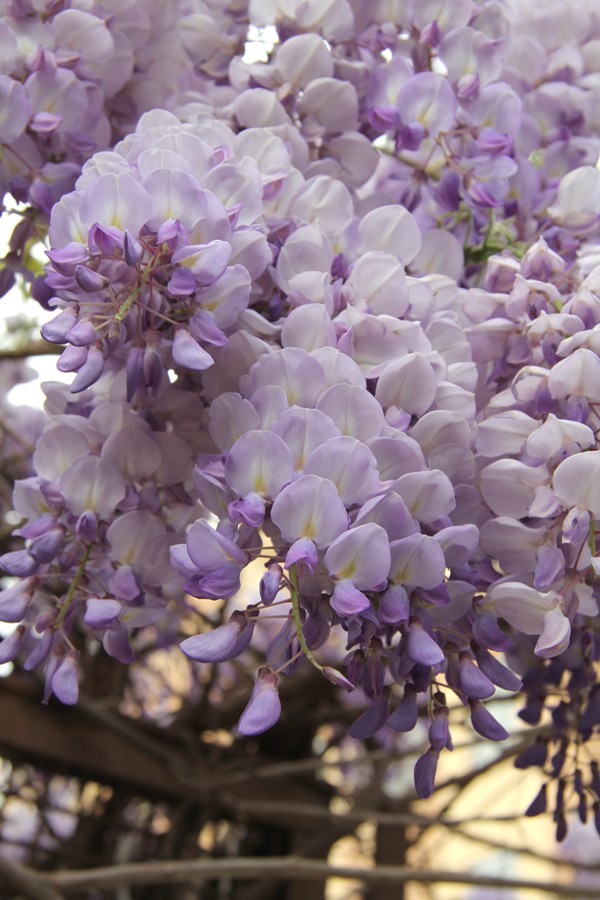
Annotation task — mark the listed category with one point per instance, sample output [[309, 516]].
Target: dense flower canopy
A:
[[333, 320]]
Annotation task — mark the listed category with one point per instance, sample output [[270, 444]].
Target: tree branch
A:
[[26, 883], [33, 348], [288, 868]]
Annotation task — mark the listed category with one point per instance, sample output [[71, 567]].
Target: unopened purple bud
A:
[[90, 371], [107, 241], [384, 118], [488, 633], [302, 554], [225, 642], [539, 804], [46, 620], [51, 668], [65, 685], [123, 584], [494, 142], [88, 280], [67, 259], [15, 600], [472, 680], [45, 547], [372, 720], [86, 527], [498, 673], [347, 600], [439, 730], [264, 706], [71, 359], [182, 283], [421, 647], [394, 605], [132, 249], [467, 86], [270, 583], [431, 34], [115, 641], [221, 584], [19, 563], [82, 334], [169, 232], [425, 769], [404, 717], [410, 137], [189, 354], [40, 651], [45, 123], [250, 510], [337, 678], [485, 724], [55, 331], [101, 613], [10, 646], [204, 328], [481, 195]]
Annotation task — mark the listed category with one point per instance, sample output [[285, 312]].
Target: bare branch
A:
[[33, 348], [289, 868], [25, 882]]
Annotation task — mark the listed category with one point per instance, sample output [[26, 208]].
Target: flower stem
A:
[[74, 585], [297, 622]]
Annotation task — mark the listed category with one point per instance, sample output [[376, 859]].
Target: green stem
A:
[[74, 585], [124, 309], [297, 622]]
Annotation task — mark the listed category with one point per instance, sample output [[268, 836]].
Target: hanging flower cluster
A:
[[333, 314]]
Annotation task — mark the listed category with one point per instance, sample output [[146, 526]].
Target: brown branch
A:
[[26, 883], [33, 348], [288, 868]]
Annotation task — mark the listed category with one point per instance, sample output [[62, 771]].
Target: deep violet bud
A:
[[439, 730], [485, 724], [65, 685], [225, 642], [270, 583], [410, 137], [86, 527], [88, 280], [132, 250], [337, 678], [250, 510], [82, 334], [404, 717], [18, 563], [100, 613], [189, 354], [303, 554], [10, 646], [431, 34], [90, 371], [371, 720], [498, 673], [425, 769], [264, 706], [539, 804], [421, 647], [45, 547], [55, 331], [102, 239], [472, 680]]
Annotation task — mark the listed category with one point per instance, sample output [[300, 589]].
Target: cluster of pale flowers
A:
[[297, 345]]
